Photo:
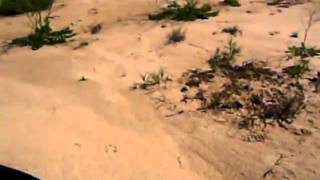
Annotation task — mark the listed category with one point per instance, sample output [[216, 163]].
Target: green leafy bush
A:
[[233, 30], [302, 51], [44, 35], [296, 71], [223, 59], [13, 7], [189, 11], [234, 3]]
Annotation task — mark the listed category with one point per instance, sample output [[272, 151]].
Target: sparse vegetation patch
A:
[[42, 34], [223, 59], [255, 94], [298, 70], [189, 11]]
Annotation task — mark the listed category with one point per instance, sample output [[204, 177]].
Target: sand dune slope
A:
[[56, 127]]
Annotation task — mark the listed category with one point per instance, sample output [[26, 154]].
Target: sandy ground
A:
[[55, 127]]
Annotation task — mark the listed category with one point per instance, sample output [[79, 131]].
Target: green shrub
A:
[[233, 3], [223, 59], [296, 71], [189, 11], [302, 51], [233, 30], [42, 33], [13, 7]]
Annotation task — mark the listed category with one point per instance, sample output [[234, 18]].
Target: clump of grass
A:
[[302, 51], [177, 35], [298, 70], [14, 7], [43, 34], [233, 3], [223, 59], [152, 79], [189, 11], [233, 30]]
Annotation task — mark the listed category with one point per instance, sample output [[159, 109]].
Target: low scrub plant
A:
[[233, 30], [233, 3], [177, 35], [152, 79], [302, 51], [223, 59], [298, 70], [42, 33], [14, 7], [189, 11]]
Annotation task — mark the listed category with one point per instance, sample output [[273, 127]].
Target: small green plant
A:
[[223, 59], [233, 3], [233, 30], [189, 11], [82, 44], [153, 79], [13, 7], [273, 2], [302, 51], [297, 71], [42, 33], [177, 35]]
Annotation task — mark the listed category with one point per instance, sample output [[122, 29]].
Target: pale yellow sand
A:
[[55, 127]]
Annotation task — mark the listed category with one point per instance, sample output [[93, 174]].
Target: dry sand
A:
[[55, 127]]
